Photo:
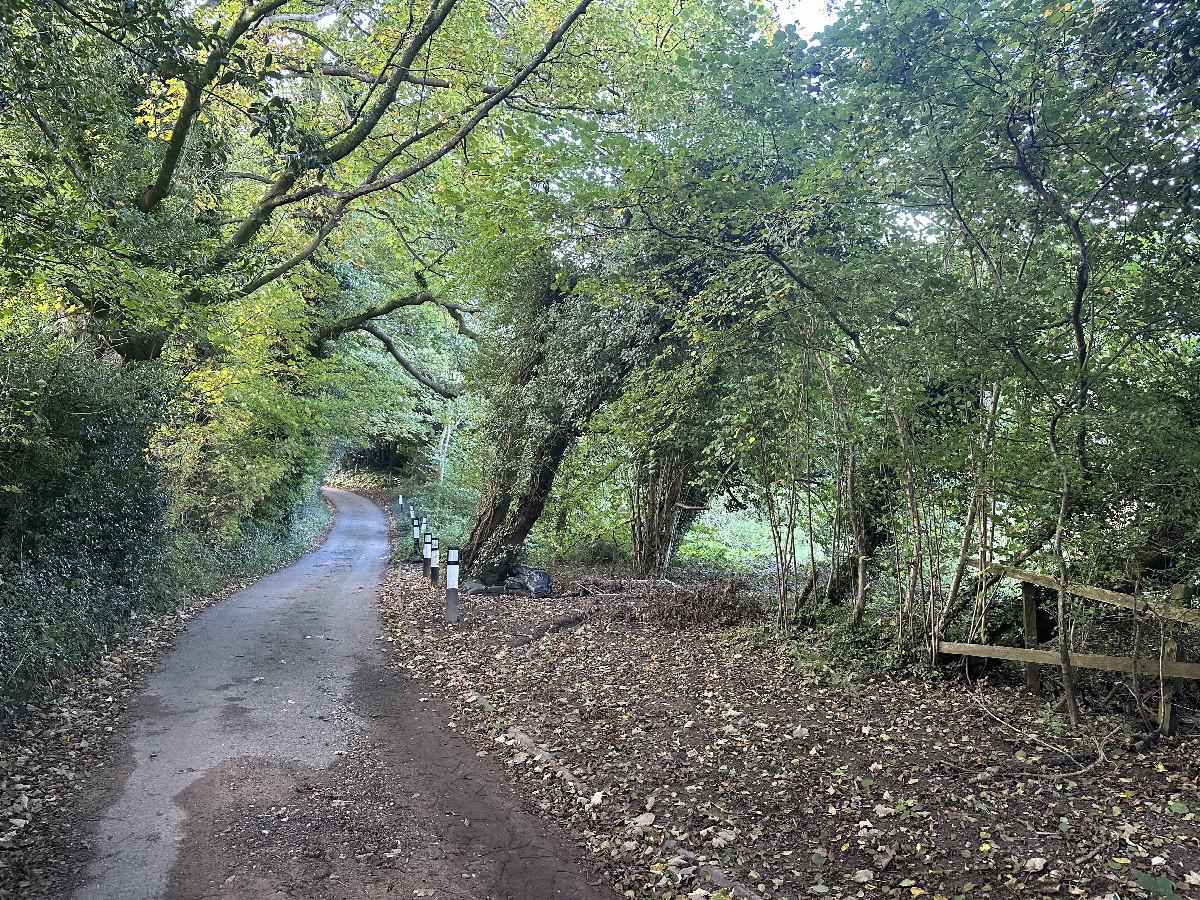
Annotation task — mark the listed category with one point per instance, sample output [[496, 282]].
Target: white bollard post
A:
[[452, 584], [427, 547], [434, 562]]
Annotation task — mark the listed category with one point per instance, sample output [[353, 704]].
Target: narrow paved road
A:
[[275, 753]]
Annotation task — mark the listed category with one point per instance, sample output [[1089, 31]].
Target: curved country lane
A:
[[274, 753]]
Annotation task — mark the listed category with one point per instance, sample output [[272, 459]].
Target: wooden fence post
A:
[[1029, 608], [1168, 716]]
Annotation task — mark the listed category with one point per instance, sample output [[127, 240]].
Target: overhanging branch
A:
[[485, 108], [441, 390], [372, 78], [66, 157], [249, 176], [281, 192], [334, 330], [194, 91], [456, 313], [295, 17]]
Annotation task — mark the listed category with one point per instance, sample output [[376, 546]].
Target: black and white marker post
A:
[[434, 562], [416, 524], [452, 584], [425, 551]]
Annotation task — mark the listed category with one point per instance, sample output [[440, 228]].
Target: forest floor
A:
[[708, 763]]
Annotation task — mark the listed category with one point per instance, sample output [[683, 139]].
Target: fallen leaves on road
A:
[[46, 756], [44, 760]]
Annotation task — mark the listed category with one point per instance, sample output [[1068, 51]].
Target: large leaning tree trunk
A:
[[573, 355], [482, 555], [505, 519]]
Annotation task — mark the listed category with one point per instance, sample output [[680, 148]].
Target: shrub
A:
[[81, 539], [87, 535]]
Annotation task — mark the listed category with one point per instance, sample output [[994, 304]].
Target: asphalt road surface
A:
[[274, 753]]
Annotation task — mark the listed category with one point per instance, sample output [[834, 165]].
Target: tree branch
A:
[[301, 33], [67, 160], [1074, 227], [279, 195], [372, 78], [154, 193], [448, 393], [347, 145], [480, 114], [952, 205], [456, 313], [249, 176], [336, 329], [295, 17], [309, 249]]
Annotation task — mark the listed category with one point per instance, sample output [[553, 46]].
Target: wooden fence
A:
[[1170, 669]]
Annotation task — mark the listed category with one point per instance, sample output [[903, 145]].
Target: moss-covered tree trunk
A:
[[571, 355], [506, 516]]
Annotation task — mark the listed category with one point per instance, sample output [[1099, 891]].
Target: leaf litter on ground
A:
[[706, 752]]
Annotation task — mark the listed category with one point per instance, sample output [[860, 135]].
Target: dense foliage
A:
[[919, 295]]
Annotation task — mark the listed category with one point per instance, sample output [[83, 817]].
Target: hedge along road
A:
[[275, 753]]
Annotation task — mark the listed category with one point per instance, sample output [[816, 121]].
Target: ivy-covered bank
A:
[[94, 528]]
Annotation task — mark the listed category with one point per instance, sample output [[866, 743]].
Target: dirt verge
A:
[[702, 751]]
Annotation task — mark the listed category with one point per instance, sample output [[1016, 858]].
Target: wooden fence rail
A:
[[1169, 670], [1142, 665], [1113, 598]]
